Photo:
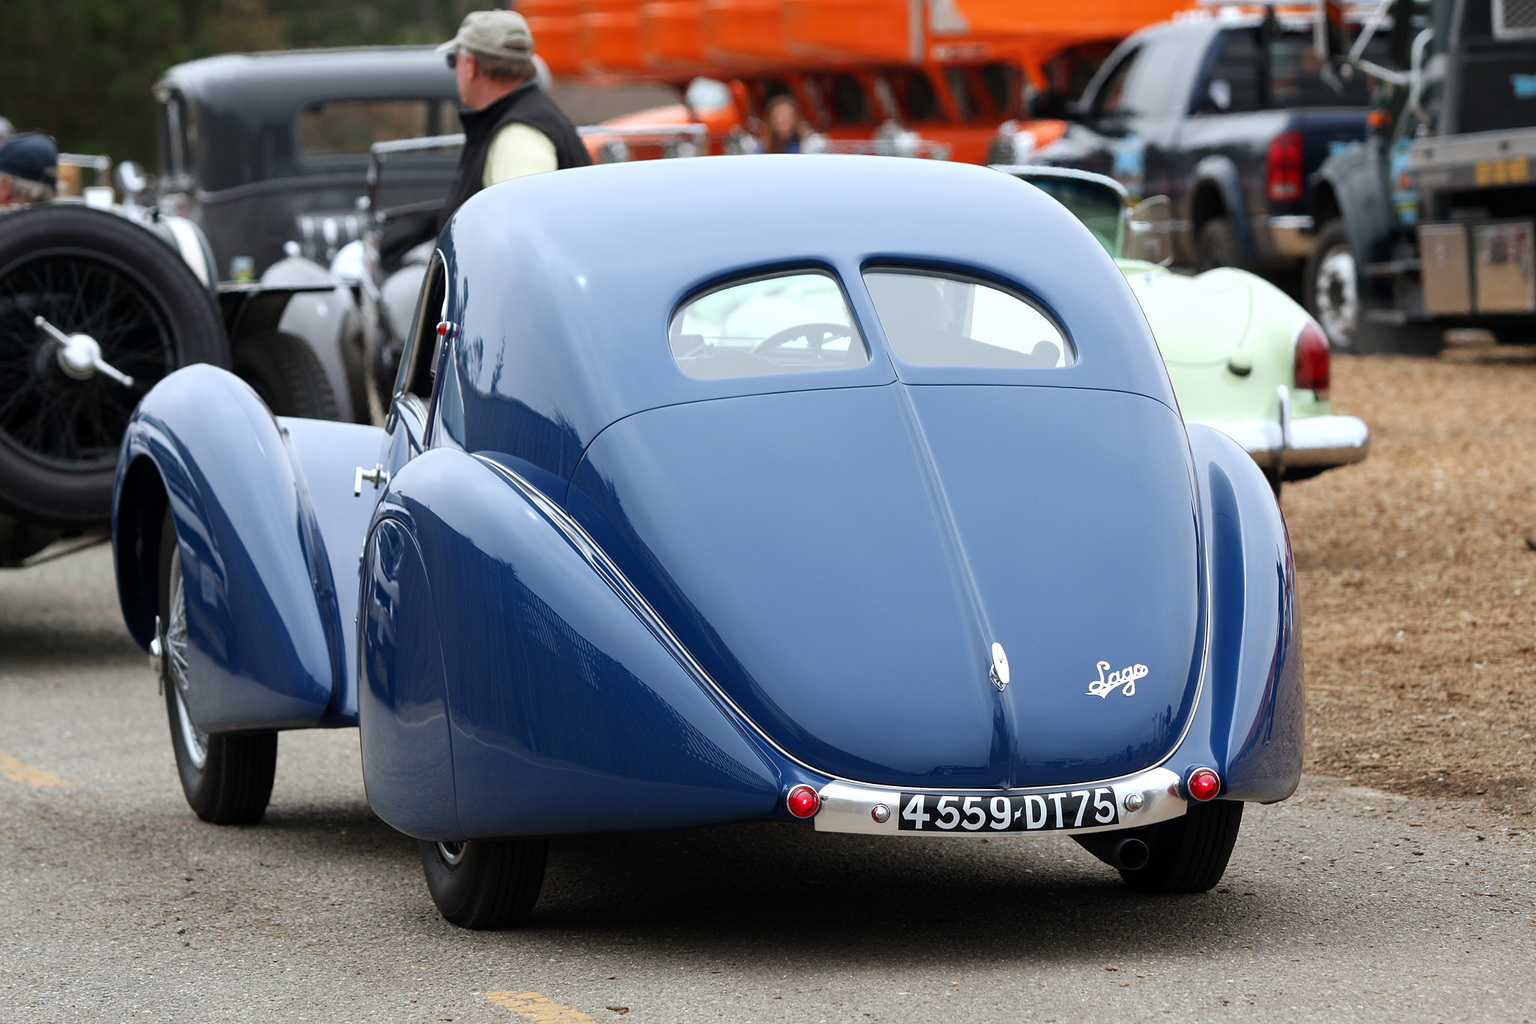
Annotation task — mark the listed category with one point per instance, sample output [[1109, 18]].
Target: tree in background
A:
[[82, 70]]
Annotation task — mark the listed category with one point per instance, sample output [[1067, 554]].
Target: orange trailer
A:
[[949, 70]]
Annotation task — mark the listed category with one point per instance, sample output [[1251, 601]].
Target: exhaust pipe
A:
[[1121, 852]]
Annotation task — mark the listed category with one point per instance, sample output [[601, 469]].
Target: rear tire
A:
[[485, 885], [1331, 293], [86, 272], [227, 779], [285, 372], [1216, 245], [1189, 853]]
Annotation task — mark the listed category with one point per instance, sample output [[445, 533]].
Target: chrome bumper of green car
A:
[[1304, 442]]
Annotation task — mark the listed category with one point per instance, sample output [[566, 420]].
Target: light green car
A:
[[1243, 356]]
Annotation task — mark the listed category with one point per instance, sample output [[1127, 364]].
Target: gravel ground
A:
[[1416, 576]]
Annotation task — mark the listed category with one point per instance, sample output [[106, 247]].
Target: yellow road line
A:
[[20, 771], [537, 1008]]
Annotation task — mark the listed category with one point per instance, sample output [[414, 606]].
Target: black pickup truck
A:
[[1229, 118]]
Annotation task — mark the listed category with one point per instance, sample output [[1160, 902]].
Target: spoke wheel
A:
[[227, 779], [86, 272], [484, 884]]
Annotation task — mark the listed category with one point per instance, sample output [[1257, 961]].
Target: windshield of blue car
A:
[[1096, 204], [775, 324], [934, 319]]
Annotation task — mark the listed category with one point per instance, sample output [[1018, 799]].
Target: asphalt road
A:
[[116, 904]]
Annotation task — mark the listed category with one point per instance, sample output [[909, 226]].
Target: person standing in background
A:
[[29, 165], [511, 126]]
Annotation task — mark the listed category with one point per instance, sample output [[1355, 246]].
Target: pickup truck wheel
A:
[[227, 779], [286, 374], [1216, 245], [143, 314], [1189, 853], [1330, 287], [482, 884]]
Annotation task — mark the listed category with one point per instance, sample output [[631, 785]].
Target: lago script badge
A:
[[1123, 680]]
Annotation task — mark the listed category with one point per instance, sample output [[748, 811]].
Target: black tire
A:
[[485, 885], [287, 374], [227, 778], [1332, 294], [87, 272], [1189, 853], [1216, 245]]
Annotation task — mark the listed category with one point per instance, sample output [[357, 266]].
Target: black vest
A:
[[527, 104]]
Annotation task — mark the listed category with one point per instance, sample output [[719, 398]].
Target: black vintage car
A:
[[265, 149]]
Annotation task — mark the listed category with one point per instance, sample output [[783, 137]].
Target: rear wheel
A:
[[285, 372], [485, 885], [1216, 245], [227, 779], [1331, 292], [1189, 853], [122, 294]]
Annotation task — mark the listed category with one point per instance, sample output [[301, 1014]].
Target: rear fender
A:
[[266, 566], [1357, 177], [1249, 726], [1220, 174], [565, 712]]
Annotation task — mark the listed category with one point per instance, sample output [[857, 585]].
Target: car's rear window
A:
[[770, 324], [340, 127], [934, 319]]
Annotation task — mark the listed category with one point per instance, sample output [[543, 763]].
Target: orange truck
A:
[[938, 76]]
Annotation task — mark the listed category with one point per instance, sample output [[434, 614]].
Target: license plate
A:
[[1032, 812]]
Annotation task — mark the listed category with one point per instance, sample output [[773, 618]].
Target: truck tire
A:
[[1331, 293], [1216, 245], [94, 273], [285, 372]]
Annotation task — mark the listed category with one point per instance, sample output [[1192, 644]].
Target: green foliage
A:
[[83, 70]]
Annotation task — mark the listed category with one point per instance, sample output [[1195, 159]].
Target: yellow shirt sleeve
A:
[[518, 149]]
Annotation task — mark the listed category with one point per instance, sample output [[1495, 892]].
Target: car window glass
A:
[[418, 364], [1146, 83], [1234, 85], [350, 126], [777, 324], [1096, 204], [1111, 98], [936, 319], [1296, 74]]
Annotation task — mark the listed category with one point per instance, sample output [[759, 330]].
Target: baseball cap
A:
[[30, 155], [493, 33]]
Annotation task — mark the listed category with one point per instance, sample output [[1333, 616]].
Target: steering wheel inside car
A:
[[816, 335]]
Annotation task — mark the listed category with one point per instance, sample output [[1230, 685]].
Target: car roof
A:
[[563, 284], [280, 81]]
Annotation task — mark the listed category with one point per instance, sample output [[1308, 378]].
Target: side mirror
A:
[[1147, 231], [1219, 92]]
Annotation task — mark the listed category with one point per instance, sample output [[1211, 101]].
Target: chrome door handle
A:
[[377, 475]]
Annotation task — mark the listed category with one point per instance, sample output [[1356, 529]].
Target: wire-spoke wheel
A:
[[227, 778], [129, 300]]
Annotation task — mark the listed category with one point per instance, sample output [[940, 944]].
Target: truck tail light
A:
[[1311, 348], [1286, 168]]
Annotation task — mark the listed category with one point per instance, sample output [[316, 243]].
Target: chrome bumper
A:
[[852, 807], [1312, 441]]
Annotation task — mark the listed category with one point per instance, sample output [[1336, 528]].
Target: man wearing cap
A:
[[28, 169], [511, 126]]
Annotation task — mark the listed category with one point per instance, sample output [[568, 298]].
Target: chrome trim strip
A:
[[849, 807], [605, 567]]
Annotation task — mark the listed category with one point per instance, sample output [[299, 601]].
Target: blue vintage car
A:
[[839, 489]]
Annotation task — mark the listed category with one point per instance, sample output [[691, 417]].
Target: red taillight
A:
[[1203, 784], [1286, 168], [802, 801], [1312, 360]]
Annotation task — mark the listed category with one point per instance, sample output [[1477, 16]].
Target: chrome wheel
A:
[[1337, 295], [451, 852], [174, 647]]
